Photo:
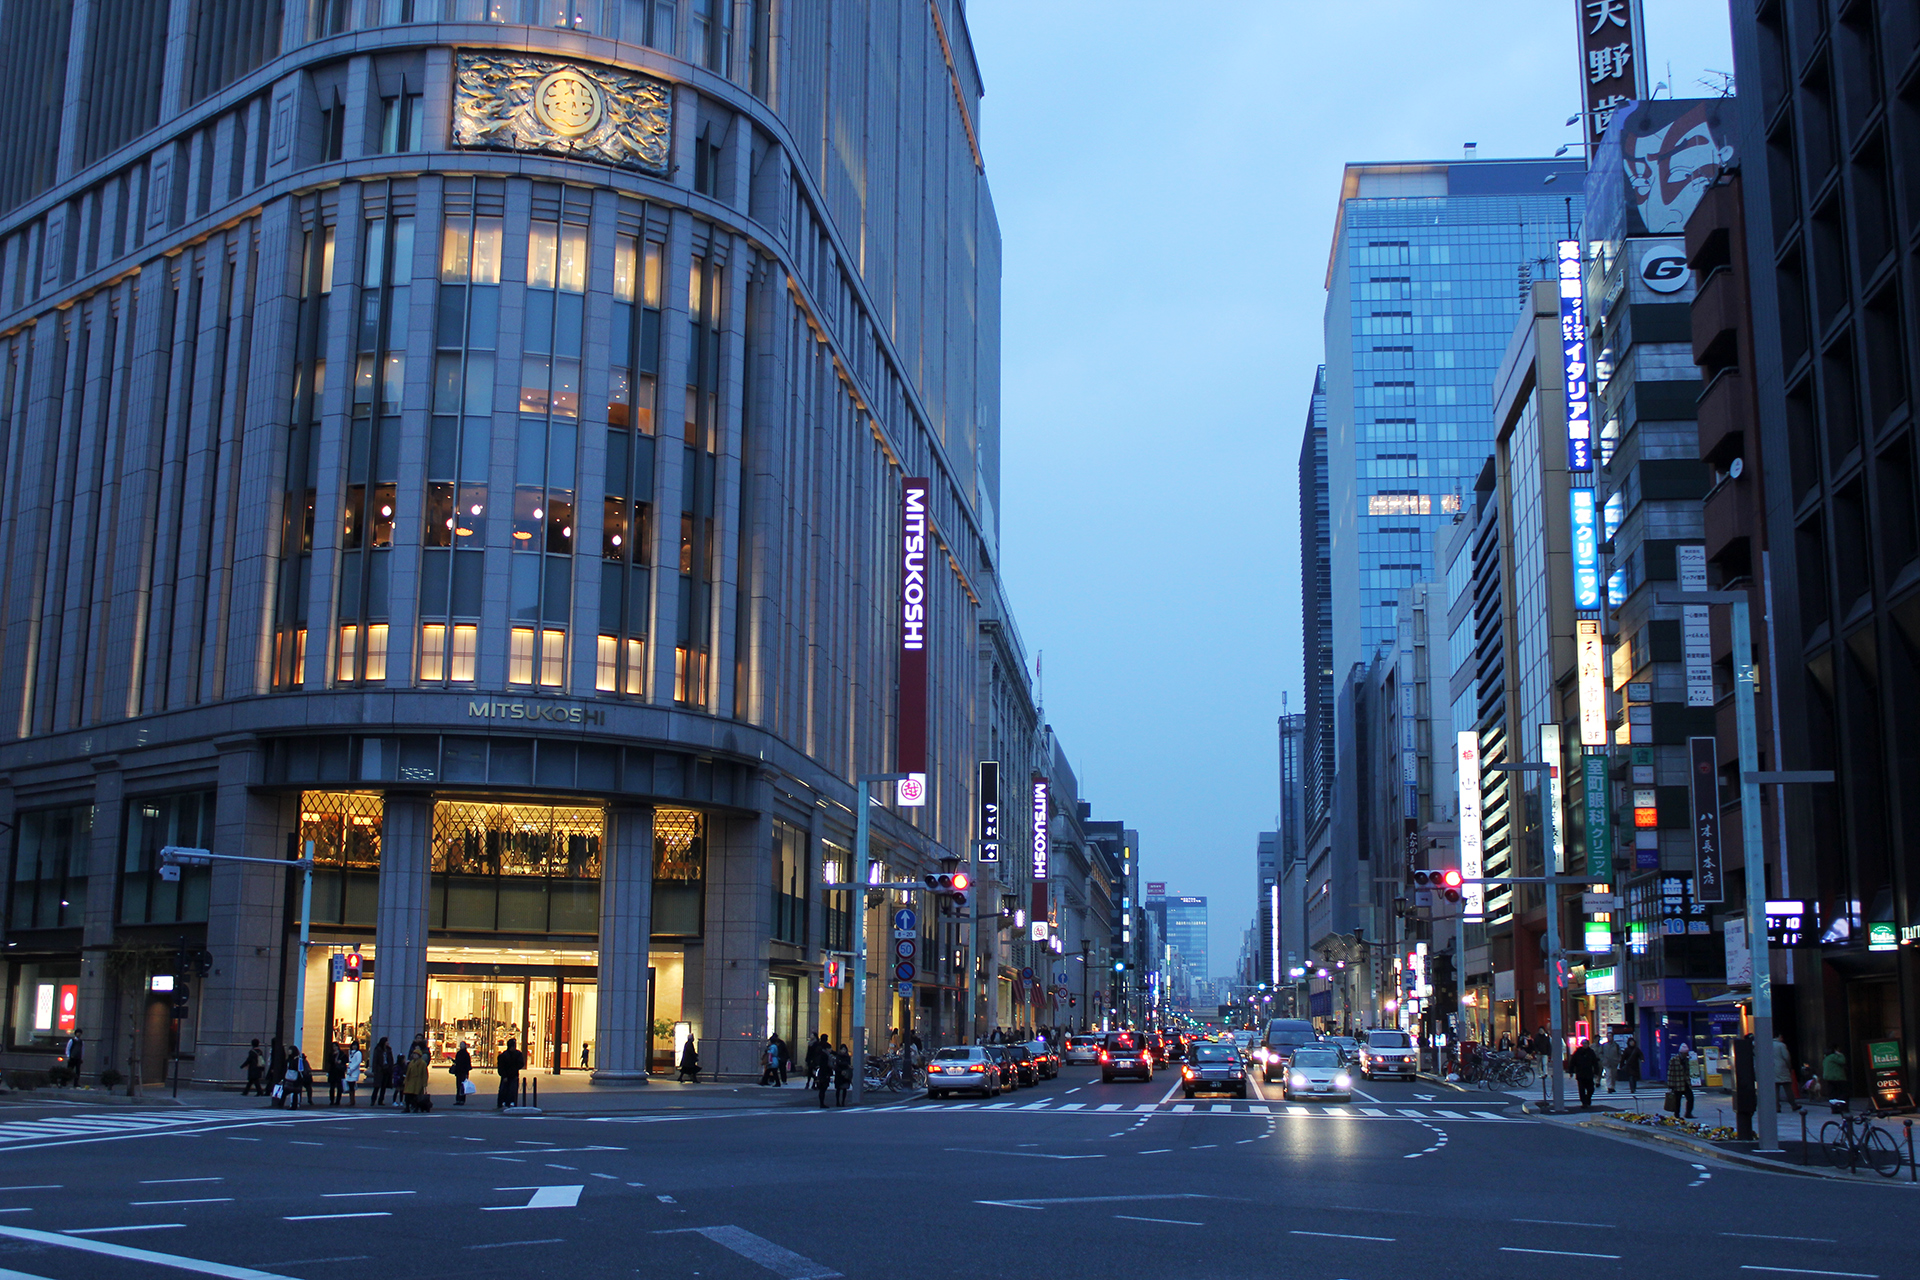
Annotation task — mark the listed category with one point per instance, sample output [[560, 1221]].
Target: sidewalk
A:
[[568, 1092]]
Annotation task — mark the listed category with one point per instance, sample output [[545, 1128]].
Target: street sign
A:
[[186, 857], [339, 968], [1060, 979], [904, 948], [903, 971], [1026, 975], [905, 918], [906, 991], [903, 933], [169, 872]]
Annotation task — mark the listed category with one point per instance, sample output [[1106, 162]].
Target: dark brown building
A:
[[1830, 114]]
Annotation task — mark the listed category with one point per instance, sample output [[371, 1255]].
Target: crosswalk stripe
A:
[[1148, 1106], [1490, 1115], [1451, 1115], [1296, 1110], [1370, 1111], [1417, 1115], [1337, 1111], [1036, 1106], [1183, 1106], [1074, 1106], [1108, 1106]]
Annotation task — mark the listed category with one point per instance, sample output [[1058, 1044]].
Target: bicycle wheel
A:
[[1833, 1139], [1880, 1152], [1523, 1076]]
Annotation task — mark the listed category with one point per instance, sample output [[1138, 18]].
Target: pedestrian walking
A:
[[1833, 1075], [1630, 1060], [382, 1071], [770, 1062], [820, 1068], [306, 1075], [290, 1082], [1783, 1085], [336, 1060], [509, 1065], [73, 1054], [786, 1059], [689, 1063], [1610, 1063], [1680, 1085], [356, 1063], [415, 1088], [255, 1065], [1585, 1065], [462, 1068], [842, 1076]]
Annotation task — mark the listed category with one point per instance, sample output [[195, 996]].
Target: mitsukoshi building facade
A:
[[465, 439]]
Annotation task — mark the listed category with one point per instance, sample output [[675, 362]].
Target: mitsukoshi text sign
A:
[[915, 620]]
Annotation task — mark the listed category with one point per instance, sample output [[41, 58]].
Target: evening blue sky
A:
[[1167, 178]]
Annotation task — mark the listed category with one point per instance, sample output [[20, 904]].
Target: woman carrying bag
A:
[[462, 1068]]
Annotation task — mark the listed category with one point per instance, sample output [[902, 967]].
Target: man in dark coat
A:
[[255, 1065], [509, 1064], [462, 1068], [1585, 1065], [382, 1071]]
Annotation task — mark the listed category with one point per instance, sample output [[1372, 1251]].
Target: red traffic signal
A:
[[1450, 881], [961, 880]]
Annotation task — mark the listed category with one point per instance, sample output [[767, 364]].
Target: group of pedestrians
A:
[[286, 1077], [828, 1067]]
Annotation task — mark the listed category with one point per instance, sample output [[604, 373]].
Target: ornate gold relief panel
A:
[[522, 103]]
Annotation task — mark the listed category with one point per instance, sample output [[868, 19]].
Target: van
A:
[[1283, 1036]]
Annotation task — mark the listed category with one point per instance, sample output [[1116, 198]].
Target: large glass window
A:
[[153, 823], [790, 881], [626, 531], [344, 831], [700, 436], [303, 454], [679, 873], [514, 868], [460, 431], [50, 868]]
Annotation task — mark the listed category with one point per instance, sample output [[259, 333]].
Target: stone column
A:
[[400, 927], [622, 1038], [246, 925], [106, 1030], [739, 922]]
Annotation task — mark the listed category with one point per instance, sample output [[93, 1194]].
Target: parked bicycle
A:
[[1854, 1139], [894, 1074]]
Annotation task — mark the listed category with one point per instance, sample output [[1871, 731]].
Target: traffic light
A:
[[1445, 883], [1450, 882], [179, 1002], [952, 886]]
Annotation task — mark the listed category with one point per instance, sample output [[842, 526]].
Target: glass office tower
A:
[[1429, 265]]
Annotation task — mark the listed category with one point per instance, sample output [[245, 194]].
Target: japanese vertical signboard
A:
[[1573, 351], [1042, 849], [912, 715], [989, 811], [1599, 819], [1472, 866], [1612, 61], [1583, 519], [1556, 792], [1709, 880], [1696, 626], [1593, 683]]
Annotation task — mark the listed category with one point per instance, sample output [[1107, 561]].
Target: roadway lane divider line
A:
[[1746, 1235], [563, 1197], [148, 1204], [1172, 1222], [329, 1217], [513, 1244], [1342, 1235], [147, 1182], [1561, 1222], [145, 1226], [361, 1195], [757, 1249], [1564, 1253], [1807, 1271], [46, 1186]]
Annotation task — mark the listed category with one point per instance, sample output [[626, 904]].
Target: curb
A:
[[91, 1097], [1645, 1133]]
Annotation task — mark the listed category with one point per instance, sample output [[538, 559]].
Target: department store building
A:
[[463, 439]]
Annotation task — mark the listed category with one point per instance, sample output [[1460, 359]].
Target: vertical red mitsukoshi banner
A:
[[914, 618]]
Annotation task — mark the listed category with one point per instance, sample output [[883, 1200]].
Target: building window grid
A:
[[460, 434], [303, 451], [50, 867], [705, 291], [627, 520]]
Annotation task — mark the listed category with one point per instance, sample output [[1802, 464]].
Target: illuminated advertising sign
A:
[[68, 1016], [1593, 683], [1041, 846], [989, 811], [1467, 766], [1709, 880], [1599, 818], [1583, 519], [1612, 61], [914, 620], [1556, 793], [1573, 352]]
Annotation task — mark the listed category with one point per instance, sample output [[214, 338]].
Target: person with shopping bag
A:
[[462, 1068]]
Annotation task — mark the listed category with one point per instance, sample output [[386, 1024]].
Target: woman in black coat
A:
[[462, 1068], [690, 1062], [842, 1076]]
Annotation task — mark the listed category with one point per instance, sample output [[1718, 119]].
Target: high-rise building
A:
[[473, 452], [1430, 264], [1316, 620], [1187, 932], [1829, 115]]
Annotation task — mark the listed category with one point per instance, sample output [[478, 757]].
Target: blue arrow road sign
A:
[[904, 918]]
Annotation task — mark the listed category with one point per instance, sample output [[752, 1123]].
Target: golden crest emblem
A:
[[568, 103]]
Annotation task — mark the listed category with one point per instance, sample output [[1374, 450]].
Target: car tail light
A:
[[977, 1067], [1104, 1057]]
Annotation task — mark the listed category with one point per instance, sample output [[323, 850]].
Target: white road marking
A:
[[55, 1186], [1744, 1235], [1183, 1106], [508, 1244], [150, 1226], [1342, 1235], [782, 1262], [567, 1197], [1807, 1271], [1560, 1253], [1175, 1222], [1037, 1155], [1372, 1111], [145, 1204], [1560, 1222], [357, 1195], [145, 1182], [329, 1217]]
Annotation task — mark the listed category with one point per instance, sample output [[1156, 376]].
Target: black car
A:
[[1023, 1064], [1173, 1047], [1003, 1063], [1126, 1053], [1214, 1068]]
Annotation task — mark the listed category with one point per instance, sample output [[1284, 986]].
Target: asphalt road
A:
[[1070, 1178]]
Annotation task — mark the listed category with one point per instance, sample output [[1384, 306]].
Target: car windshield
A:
[[1316, 1058], [1213, 1053], [1389, 1040], [946, 1054], [1289, 1037]]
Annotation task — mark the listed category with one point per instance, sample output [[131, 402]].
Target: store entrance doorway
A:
[[551, 1014]]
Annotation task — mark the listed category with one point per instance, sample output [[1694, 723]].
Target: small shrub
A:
[[110, 1079]]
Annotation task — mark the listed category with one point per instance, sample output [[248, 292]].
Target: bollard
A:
[[1803, 1137], [536, 1091], [1913, 1170]]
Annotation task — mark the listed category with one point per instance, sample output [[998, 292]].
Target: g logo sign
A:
[[1664, 271]]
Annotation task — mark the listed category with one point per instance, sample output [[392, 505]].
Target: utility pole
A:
[[1753, 848], [1556, 1014], [862, 830]]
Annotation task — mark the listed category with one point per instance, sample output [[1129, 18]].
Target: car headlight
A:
[[1298, 1078], [1344, 1080]]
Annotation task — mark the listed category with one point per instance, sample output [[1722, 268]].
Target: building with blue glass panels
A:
[[1430, 264]]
